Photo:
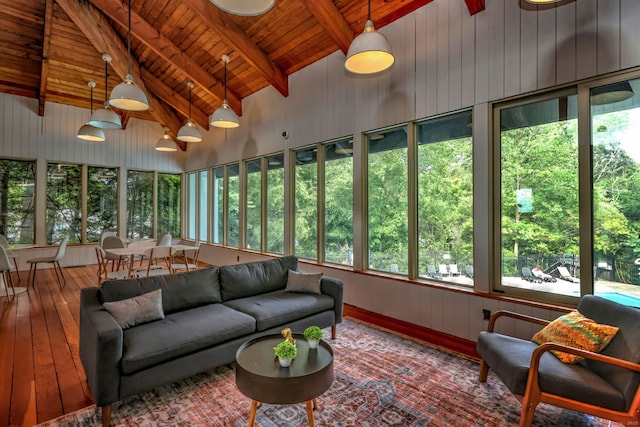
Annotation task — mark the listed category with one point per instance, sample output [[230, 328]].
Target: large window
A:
[[275, 204], [139, 204], [217, 205], [203, 224], [306, 203], [17, 207], [387, 204], [192, 200], [169, 191], [233, 211], [102, 202], [338, 202], [253, 204], [445, 198], [64, 202], [539, 196], [615, 176]]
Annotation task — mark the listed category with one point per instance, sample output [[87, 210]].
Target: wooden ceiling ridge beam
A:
[[237, 40], [160, 44], [93, 24], [46, 48], [333, 22]]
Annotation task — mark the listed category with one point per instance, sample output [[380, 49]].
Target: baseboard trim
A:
[[431, 336]]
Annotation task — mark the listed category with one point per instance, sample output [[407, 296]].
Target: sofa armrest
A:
[[100, 347], [504, 313], [334, 288]]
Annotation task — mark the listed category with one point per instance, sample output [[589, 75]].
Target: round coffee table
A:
[[260, 377]]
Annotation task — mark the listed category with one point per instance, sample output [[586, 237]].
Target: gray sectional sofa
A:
[[203, 316]]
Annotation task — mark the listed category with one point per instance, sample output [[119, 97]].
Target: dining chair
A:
[[55, 260], [153, 268], [164, 238], [141, 244], [114, 242], [106, 234], [186, 255], [4, 243], [103, 271], [5, 268]]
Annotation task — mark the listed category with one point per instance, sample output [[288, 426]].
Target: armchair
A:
[[603, 384]]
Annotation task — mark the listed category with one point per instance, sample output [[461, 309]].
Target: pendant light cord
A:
[[106, 81], [190, 101], [225, 79], [368, 11], [129, 42], [91, 100]]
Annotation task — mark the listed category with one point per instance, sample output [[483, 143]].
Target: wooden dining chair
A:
[[54, 260], [189, 258], [5, 269], [155, 255], [114, 242], [13, 255], [103, 271]]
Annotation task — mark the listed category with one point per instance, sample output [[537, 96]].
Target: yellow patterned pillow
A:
[[577, 331]]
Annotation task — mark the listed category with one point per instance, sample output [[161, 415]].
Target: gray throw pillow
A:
[[303, 282], [137, 310]]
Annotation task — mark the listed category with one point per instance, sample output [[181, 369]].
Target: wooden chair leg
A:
[[15, 262], [106, 415], [484, 371], [32, 271], [333, 332]]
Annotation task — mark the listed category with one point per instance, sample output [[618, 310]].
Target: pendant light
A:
[[370, 52], [166, 143], [611, 93], [105, 118], [244, 7], [224, 116], [88, 132], [128, 96], [189, 132]]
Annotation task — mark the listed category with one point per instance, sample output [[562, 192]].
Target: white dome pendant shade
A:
[[166, 143], [189, 132], [105, 118], [88, 132], [224, 116], [244, 7], [370, 52], [126, 95]]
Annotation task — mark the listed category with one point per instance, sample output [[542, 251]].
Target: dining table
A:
[[131, 251]]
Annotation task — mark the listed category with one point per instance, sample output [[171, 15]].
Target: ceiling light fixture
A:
[[608, 94], [88, 132], [105, 118], [128, 96], [189, 132], [344, 148], [244, 7], [370, 52], [224, 116], [166, 143]]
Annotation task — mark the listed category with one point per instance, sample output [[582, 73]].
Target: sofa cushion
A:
[[575, 330], [510, 358], [137, 310], [279, 307], [179, 291], [253, 278], [182, 333], [303, 282]]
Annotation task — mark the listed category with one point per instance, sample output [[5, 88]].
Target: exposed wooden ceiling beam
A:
[[161, 45], [46, 47], [103, 37], [236, 39], [330, 18], [179, 103], [474, 6]]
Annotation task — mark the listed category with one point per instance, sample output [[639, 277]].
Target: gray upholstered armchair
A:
[[603, 384]]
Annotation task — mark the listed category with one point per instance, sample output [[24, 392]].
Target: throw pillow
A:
[[303, 282], [134, 311], [576, 330]]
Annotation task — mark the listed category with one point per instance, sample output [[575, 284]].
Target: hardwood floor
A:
[[40, 369]]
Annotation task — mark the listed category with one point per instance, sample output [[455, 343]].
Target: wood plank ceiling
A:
[[50, 49]]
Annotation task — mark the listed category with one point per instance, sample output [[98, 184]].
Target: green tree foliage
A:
[[169, 193], [64, 204], [275, 208], [306, 210], [17, 179], [139, 204], [339, 210]]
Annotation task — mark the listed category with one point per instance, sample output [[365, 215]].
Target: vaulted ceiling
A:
[[50, 49]]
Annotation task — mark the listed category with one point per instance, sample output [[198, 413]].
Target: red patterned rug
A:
[[381, 379]]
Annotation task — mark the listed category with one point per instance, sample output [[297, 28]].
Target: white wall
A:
[[445, 60]]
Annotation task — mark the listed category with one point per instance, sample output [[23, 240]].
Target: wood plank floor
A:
[[41, 376]]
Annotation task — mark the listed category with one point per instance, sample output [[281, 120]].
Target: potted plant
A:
[[313, 335], [286, 352]]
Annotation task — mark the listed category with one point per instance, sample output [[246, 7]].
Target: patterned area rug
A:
[[381, 379]]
